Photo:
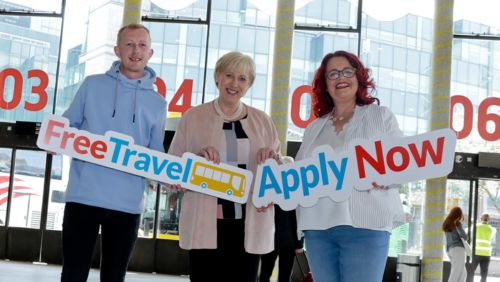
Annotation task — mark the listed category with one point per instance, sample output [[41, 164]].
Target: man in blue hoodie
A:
[[121, 100]]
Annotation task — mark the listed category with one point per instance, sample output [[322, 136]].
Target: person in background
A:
[[485, 234], [453, 231], [225, 239], [348, 240], [100, 198]]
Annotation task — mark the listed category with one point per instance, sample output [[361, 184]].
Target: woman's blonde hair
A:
[[233, 61]]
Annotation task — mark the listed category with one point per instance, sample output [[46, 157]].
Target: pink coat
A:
[[200, 127]]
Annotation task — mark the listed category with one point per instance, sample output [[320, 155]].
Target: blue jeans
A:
[[80, 230], [347, 254]]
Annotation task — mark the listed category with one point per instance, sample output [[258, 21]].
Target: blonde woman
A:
[[225, 239]]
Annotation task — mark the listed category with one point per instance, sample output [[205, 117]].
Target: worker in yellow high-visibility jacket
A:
[[485, 234]]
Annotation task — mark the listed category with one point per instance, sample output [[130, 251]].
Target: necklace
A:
[[219, 111], [340, 118]]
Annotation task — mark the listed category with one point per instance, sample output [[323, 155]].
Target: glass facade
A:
[[189, 36]]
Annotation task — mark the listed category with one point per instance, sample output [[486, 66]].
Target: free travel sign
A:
[[119, 152]]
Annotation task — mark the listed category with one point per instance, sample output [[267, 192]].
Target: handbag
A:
[[306, 275], [467, 247]]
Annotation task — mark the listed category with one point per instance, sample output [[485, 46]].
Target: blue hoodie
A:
[[106, 102]]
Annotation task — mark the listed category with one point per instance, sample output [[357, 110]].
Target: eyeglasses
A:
[[335, 74]]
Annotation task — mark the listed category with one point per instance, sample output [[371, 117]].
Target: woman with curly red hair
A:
[[453, 232], [348, 240]]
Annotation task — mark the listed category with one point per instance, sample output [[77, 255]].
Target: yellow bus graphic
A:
[[215, 178]]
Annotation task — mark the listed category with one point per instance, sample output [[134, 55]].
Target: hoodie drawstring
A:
[[116, 97], [135, 100], [116, 94]]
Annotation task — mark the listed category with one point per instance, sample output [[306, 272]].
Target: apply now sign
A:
[[329, 173], [118, 151]]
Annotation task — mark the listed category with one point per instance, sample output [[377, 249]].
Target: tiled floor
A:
[[27, 272]]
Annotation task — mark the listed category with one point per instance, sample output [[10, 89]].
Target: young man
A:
[[121, 100]]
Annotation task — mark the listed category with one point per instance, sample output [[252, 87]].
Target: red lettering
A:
[[295, 107], [81, 143], [185, 92], [160, 85], [404, 155], [427, 149], [50, 130], [377, 164], [39, 90], [98, 146], [66, 136], [468, 114], [484, 117], [18, 85]]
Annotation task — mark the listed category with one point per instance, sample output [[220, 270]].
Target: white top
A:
[[377, 209]]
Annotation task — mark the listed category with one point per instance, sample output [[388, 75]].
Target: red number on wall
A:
[[39, 90], [295, 109], [468, 115], [185, 92], [162, 88], [484, 117], [18, 85]]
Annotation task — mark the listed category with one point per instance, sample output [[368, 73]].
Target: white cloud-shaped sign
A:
[[119, 152], [328, 173]]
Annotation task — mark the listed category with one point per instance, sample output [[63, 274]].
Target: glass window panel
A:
[[334, 13], [475, 82], [20, 40], [229, 35], [413, 64], [399, 58], [5, 160], [195, 9], [309, 48], [168, 227], [58, 182], [398, 103], [52, 6], [27, 194], [246, 40], [476, 17]]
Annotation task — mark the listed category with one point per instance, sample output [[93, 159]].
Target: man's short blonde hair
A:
[[233, 61], [131, 26]]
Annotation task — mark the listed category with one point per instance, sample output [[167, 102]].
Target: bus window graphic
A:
[[218, 179]]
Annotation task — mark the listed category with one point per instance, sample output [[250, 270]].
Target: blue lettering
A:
[[116, 151], [173, 170], [339, 174], [144, 163], [322, 165], [306, 183], [126, 158], [157, 169], [267, 172], [287, 188], [187, 169]]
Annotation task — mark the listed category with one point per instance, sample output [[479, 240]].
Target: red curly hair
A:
[[453, 219], [322, 102]]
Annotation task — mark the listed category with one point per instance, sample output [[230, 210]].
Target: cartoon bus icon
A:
[[215, 178]]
